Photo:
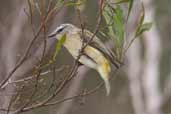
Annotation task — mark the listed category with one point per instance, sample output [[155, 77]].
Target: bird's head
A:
[[62, 29]]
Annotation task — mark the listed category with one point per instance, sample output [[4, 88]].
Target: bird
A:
[[95, 55]]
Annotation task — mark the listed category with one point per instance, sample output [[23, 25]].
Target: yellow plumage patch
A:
[[107, 68]]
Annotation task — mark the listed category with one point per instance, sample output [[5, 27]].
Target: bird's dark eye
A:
[[60, 30]]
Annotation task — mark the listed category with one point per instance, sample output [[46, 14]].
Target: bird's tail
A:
[[104, 71]]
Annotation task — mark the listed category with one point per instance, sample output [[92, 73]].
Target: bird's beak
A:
[[52, 35]]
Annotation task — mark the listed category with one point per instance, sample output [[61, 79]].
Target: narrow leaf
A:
[[108, 15], [115, 21], [143, 28], [58, 4], [142, 14], [104, 34], [121, 1], [59, 45], [119, 26], [141, 19], [130, 8], [72, 3]]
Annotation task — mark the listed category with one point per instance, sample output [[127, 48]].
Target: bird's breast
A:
[[91, 57], [73, 45]]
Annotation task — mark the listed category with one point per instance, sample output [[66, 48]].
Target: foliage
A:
[[116, 24]]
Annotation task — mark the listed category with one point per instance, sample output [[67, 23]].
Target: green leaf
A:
[[108, 15], [143, 28], [142, 15], [58, 4], [119, 26], [141, 20], [59, 45], [114, 20], [77, 3], [130, 8], [104, 34], [121, 1]]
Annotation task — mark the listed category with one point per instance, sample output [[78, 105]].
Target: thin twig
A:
[[24, 57], [98, 24], [33, 76]]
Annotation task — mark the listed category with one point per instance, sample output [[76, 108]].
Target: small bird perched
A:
[[95, 55]]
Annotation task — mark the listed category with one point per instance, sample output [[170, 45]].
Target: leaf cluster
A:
[[116, 23]]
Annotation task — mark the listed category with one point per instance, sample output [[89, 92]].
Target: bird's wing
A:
[[97, 43]]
